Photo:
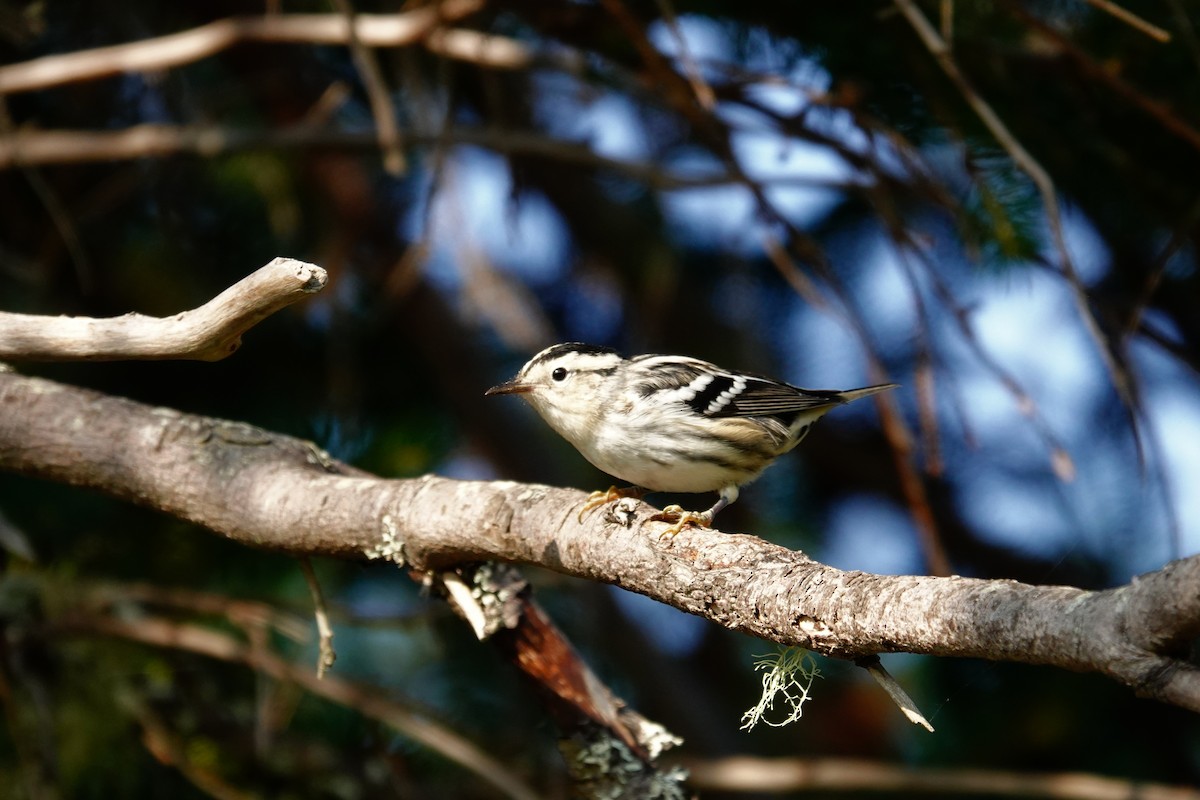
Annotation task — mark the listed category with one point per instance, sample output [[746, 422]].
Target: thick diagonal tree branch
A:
[[273, 491]]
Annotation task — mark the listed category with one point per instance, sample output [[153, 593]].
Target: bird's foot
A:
[[597, 499], [681, 519]]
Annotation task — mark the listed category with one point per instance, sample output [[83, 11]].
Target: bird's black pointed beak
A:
[[510, 387]]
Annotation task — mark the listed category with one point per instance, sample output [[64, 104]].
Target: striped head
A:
[[567, 385]]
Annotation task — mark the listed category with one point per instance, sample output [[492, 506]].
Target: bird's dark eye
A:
[[559, 374]]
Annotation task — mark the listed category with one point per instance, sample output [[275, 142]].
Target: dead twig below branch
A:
[[325, 652]]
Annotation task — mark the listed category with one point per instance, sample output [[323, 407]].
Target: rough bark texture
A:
[[281, 493]]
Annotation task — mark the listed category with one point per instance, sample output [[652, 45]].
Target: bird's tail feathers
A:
[[866, 391]]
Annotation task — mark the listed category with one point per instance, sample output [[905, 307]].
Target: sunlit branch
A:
[[827, 775], [1131, 19], [326, 655], [208, 333], [186, 47]]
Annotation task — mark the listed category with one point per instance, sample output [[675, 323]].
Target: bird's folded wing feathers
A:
[[764, 398], [713, 392]]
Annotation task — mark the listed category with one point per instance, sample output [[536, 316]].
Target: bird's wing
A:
[[714, 392], [762, 397]]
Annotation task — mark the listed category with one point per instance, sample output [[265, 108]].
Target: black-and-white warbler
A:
[[670, 423]]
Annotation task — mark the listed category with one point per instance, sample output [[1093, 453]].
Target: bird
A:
[[670, 423]]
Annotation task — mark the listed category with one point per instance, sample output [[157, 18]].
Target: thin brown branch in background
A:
[[243, 613], [186, 47], [1131, 19], [152, 140], [946, 19], [1121, 380], [792, 272], [1060, 459], [894, 430], [700, 87], [1157, 271], [820, 775], [386, 128], [1102, 75], [925, 373], [370, 701], [170, 750], [937, 561]]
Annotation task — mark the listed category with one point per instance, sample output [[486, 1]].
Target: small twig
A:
[[1131, 19], [946, 21], [326, 655], [1158, 269], [895, 691], [245, 614], [894, 430], [170, 750], [791, 272], [386, 129], [703, 92], [926, 388], [208, 333], [460, 597], [1162, 113], [1060, 460]]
